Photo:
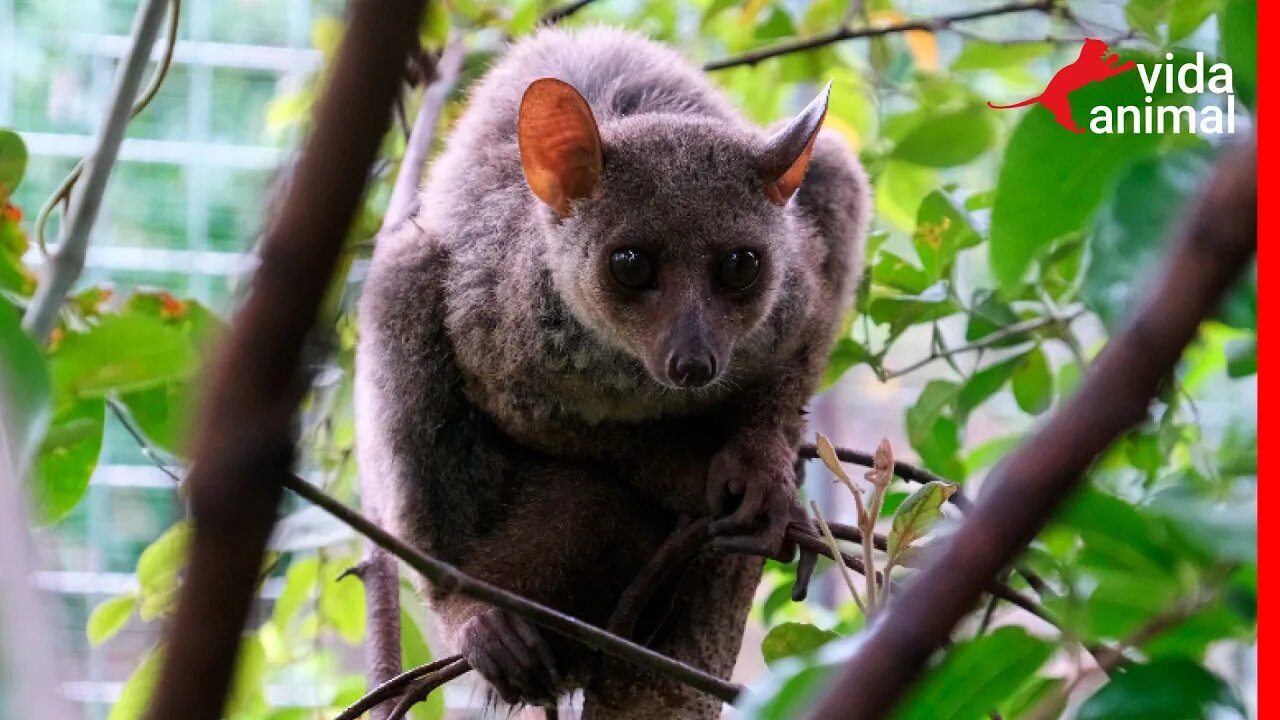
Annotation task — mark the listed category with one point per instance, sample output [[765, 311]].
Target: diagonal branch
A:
[[246, 425], [61, 270], [1215, 244], [449, 579], [841, 34]]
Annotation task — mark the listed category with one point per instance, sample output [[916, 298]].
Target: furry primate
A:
[[609, 311]]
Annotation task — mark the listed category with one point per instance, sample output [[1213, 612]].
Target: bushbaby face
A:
[[666, 235]]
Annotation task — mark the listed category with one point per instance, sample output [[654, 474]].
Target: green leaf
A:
[[342, 605], [991, 315], [67, 459], [1242, 358], [902, 311], [846, 353], [1148, 16], [159, 567], [1165, 689], [1227, 530], [975, 676], [894, 272], [1033, 382], [300, 581], [899, 189], [246, 697], [163, 414], [947, 139], [979, 55], [136, 694], [1240, 46], [13, 164], [24, 391], [15, 276], [109, 617], [917, 514], [983, 385], [943, 228], [1052, 180], [934, 400], [122, 353], [1130, 235], [793, 639], [1133, 540], [1189, 15]]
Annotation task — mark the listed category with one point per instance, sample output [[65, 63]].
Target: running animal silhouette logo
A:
[[1093, 65]]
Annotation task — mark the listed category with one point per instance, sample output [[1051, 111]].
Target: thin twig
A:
[[424, 687], [63, 192], [422, 137], [844, 566], [61, 270], [987, 341], [845, 33], [393, 688], [559, 13], [449, 579]]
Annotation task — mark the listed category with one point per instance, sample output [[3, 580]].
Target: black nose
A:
[[691, 370]]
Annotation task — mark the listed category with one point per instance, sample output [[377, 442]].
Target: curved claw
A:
[[804, 575]]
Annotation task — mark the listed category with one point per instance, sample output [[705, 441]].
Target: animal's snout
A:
[[691, 370]]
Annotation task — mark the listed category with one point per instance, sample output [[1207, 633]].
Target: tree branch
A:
[[63, 193], [418, 148], [393, 688], [247, 419], [556, 14], [986, 342], [61, 270], [378, 570], [449, 579], [425, 686], [1215, 245], [841, 34]]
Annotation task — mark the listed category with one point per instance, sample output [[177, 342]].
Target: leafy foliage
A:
[[1004, 249]]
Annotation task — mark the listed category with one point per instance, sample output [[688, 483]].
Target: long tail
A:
[[1024, 103]]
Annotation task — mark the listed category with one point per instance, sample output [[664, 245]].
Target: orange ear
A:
[[786, 157], [560, 148]]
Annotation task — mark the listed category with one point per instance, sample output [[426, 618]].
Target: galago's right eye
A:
[[633, 269]]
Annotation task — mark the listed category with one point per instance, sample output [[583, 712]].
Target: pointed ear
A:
[[786, 157], [560, 148]]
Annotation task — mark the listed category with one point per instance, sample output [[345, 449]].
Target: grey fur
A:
[[512, 402]]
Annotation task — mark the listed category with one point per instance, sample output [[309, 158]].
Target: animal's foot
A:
[[512, 656], [762, 472]]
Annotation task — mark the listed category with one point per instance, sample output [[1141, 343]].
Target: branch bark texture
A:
[[1215, 244], [245, 427]]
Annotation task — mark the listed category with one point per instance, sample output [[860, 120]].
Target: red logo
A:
[[1093, 65]]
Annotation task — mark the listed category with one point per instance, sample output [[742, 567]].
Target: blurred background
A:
[[200, 165]]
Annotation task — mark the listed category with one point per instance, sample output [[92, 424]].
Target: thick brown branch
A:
[[447, 578], [841, 34], [245, 428], [1216, 243]]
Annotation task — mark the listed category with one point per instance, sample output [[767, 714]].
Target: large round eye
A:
[[739, 269], [632, 269]]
